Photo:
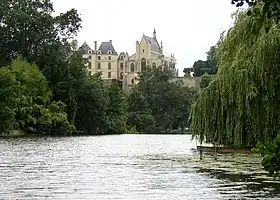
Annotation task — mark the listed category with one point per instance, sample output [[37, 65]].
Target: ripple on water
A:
[[127, 167]]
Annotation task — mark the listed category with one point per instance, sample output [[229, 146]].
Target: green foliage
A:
[[8, 99], [29, 104], [187, 71], [270, 8], [209, 66], [139, 114], [116, 111], [270, 150], [60, 94], [241, 105], [158, 103], [206, 79]]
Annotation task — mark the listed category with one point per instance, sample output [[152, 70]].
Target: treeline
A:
[[240, 106], [45, 86]]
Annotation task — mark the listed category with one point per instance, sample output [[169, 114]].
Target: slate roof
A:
[[106, 46], [153, 42], [132, 57], [124, 54], [85, 48]]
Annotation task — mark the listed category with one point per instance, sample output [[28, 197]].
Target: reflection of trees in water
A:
[[255, 186]]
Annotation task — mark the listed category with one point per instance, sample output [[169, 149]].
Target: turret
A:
[[154, 33]]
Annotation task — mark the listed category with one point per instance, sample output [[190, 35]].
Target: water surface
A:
[[127, 167]]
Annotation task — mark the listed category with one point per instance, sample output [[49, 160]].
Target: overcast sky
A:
[[187, 27]]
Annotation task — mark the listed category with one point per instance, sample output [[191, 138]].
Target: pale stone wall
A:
[[192, 82], [104, 66]]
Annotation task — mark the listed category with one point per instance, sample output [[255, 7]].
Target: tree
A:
[[29, 30], [270, 8], [92, 101], [116, 111], [160, 99], [241, 105], [139, 114], [29, 104], [188, 71], [209, 66], [200, 67], [212, 60]]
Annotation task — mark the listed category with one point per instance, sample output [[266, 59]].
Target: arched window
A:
[[132, 81], [132, 67], [99, 52], [143, 64], [109, 52], [154, 65]]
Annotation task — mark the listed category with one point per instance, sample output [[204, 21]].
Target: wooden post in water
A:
[[215, 152]]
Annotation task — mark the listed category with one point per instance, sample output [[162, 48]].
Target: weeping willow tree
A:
[[242, 104]]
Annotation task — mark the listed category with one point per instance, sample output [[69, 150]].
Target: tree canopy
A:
[[159, 101], [241, 105]]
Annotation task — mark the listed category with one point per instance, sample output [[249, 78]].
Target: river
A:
[[126, 167]]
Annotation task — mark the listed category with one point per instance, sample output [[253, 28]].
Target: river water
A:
[[126, 167]]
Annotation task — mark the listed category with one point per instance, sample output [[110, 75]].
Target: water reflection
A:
[[126, 167]]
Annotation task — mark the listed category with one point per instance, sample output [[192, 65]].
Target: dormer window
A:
[[99, 52], [121, 57], [109, 52], [89, 51]]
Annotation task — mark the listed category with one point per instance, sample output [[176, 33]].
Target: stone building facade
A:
[[122, 67]]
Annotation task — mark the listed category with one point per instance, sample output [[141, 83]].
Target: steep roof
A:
[[107, 46], [85, 48], [153, 42], [132, 57]]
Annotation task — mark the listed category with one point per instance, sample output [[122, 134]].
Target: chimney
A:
[[75, 45], [95, 45], [110, 41]]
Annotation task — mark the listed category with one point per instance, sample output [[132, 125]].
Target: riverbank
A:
[[21, 133]]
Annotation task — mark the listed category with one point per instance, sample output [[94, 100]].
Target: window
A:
[[99, 52], [143, 50], [109, 74], [121, 66], [89, 51], [143, 64], [109, 57], [89, 65], [109, 65], [109, 52], [121, 75], [89, 57], [132, 67], [132, 81], [99, 57], [99, 66], [121, 57]]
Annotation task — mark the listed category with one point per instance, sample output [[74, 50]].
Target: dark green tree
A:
[[30, 102], [139, 114]]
